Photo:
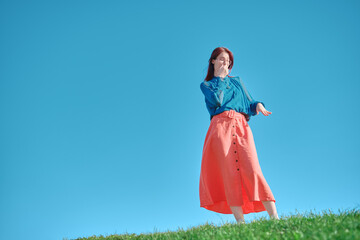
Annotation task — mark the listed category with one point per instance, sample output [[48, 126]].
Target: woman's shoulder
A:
[[209, 82], [206, 84]]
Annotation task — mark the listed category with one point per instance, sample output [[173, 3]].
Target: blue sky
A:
[[103, 121]]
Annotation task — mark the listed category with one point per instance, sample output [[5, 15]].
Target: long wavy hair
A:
[[216, 52]]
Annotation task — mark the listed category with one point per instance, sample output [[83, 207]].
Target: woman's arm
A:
[[253, 103], [213, 91]]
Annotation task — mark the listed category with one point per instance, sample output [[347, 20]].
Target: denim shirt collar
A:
[[225, 79]]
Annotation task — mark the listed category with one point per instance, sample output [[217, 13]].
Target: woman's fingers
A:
[[266, 113], [222, 69]]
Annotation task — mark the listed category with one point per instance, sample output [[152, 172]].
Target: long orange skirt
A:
[[230, 170]]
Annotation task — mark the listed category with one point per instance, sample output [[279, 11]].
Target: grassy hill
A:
[[328, 225]]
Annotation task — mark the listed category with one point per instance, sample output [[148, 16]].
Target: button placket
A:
[[235, 147]]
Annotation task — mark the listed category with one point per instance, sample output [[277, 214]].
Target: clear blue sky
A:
[[103, 121]]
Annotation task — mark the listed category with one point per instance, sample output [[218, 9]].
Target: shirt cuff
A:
[[254, 105]]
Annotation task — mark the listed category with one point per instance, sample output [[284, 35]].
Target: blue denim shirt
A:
[[223, 94]]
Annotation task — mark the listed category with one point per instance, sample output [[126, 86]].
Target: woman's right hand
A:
[[222, 71]]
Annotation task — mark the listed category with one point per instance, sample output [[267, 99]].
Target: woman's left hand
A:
[[261, 108]]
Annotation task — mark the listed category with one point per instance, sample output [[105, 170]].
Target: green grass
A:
[[328, 225]]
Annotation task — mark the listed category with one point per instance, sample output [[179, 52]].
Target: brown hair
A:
[[216, 52]]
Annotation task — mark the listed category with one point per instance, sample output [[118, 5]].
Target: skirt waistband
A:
[[231, 114]]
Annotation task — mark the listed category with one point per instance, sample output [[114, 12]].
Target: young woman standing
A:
[[231, 180]]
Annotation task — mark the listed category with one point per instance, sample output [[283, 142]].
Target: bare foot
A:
[[241, 222]]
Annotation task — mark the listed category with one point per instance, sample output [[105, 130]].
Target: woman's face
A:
[[222, 59]]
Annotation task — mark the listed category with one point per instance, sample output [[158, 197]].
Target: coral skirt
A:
[[230, 170]]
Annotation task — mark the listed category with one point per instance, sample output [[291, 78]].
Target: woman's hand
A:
[[222, 71], [261, 108]]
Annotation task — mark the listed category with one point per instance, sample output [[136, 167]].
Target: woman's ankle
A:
[[240, 221], [274, 217]]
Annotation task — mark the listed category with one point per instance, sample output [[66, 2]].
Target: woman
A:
[[231, 180]]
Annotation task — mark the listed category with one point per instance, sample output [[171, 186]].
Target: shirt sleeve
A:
[[253, 103], [213, 92]]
